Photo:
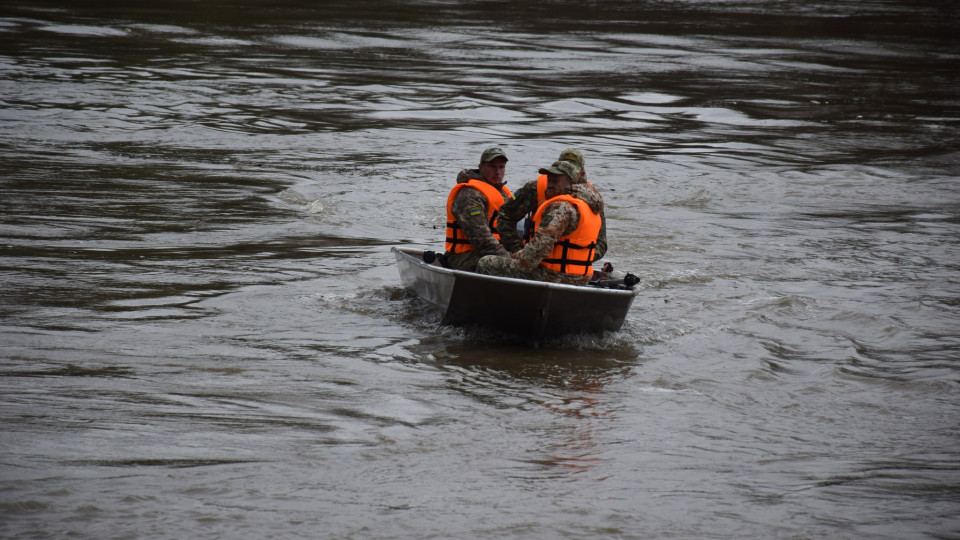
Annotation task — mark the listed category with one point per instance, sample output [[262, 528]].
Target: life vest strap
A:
[[565, 261], [453, 237], [456, 237]]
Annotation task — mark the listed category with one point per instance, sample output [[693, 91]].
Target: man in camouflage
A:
[[559, 218], [525, 203], [470, 210]]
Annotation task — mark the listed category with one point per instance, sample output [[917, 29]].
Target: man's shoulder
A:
[[470, 191], [468, 174], [557, 202], [557, 207], [469, 195], [588, 194]]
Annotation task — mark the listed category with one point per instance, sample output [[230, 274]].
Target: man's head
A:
[[493, 165], [560, 176], [574, 156]]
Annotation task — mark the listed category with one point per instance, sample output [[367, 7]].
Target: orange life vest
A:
[[541, 189], [457, 242], [573, 253]]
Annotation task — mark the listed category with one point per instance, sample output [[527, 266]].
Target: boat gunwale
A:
[[587, 289]]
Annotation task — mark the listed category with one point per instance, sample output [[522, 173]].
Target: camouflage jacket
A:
[[559, 218], [470, 210], [525, 202]]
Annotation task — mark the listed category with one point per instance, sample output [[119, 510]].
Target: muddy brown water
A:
[[204, 333]]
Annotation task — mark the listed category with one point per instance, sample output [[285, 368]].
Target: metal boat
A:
[[532, 309]]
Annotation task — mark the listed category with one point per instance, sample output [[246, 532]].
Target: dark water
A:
[[204, 335]]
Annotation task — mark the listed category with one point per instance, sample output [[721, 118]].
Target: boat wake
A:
[[403, 307]]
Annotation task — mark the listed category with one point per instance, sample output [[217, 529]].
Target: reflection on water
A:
[[204, 334]]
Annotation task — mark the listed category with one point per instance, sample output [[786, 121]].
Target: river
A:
[[204, 334]]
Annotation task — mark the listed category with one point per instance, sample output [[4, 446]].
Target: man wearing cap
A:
[[566, 226], [528, 198], [472, 209]]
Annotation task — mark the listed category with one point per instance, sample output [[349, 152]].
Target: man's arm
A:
[[588, 193], [470, 209], [511, 212], [558, 219], [601, 239]]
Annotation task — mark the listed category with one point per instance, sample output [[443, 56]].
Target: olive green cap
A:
[[492, 153], [563, 167], [573, 156]]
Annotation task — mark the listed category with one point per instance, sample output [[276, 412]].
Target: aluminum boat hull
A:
[[527, 308]]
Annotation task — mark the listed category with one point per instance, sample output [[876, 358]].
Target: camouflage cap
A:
[[563, 167], [492, 153], [573, 156]]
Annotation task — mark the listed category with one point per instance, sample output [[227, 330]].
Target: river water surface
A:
[[204, 335]]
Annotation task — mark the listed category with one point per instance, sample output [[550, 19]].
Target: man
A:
[[528, 198], [566, 226], [472, 209]]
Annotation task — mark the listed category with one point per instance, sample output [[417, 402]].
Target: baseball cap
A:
[[563, 167], [492, 153], [573, 156]]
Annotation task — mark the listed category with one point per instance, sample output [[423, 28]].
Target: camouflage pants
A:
[[494, 265], [463, 261]]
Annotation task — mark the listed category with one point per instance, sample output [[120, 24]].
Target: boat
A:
[[530, 309]]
